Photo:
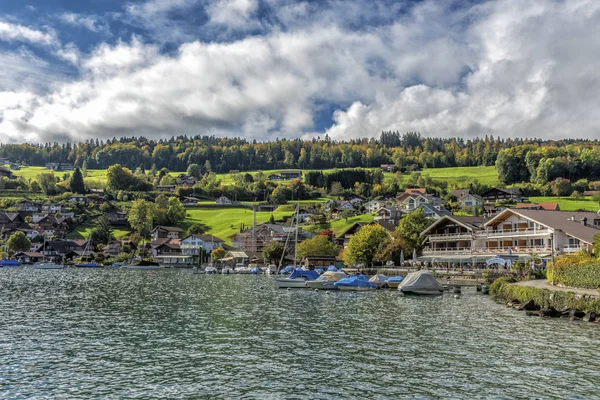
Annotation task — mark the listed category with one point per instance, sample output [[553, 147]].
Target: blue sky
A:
[[283, 68]]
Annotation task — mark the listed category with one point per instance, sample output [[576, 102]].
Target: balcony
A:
[[512, 233], [449, 237], [572, 248], [481, 251]]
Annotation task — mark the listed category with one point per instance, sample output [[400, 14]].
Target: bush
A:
[[578, 270]]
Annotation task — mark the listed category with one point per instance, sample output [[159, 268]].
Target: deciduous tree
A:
[[363, 246]]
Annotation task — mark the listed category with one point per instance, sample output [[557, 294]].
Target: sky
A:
[[267, 69]]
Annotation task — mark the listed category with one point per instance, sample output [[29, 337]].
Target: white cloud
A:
[[90, 22], [234, 14], [16, 32], [507, 68]]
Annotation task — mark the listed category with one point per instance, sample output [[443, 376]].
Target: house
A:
[[411, 201], [290, 174], [29, 257], [116, 217], [538, 206], [168, 251], [166, 188], [516, 233], [387, 167], [434, 211], [30, 233], [189, 201], [10, 220], [54, 166], [389, 214], [6, 173], [14, 166], [305, 214], [374, 205], [53, 226], [266, 233], [4, 160], [116, 247], [52, 208], [344, 237], [224, 201], [186, 180], [470, 200], [356, 201], [458, 193], [489, 210], [275, 177], [78, 198], [196, 245], [315, 261], [504, 195], [63, 247], [451, 237], [29, 206], [164, 232]]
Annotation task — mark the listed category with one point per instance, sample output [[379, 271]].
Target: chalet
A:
[[356, 201], [116, 217], [10, 220], [290, 174], [458, 193], [189, 201], [164, 232], [116, 247], [389, 214], [166, 188], [264, 234], [30, 233], [78, 198], [387, 167], [304, 214], [538, 206], [451, 236], [29, 206], [434, 211], [53, 226], [29, 257], [344, 237], [412, 201], [6, 173], [504, 195], [470, 200], [186, 180], [226, 201], [62, 248], [375, 205], [54, 166], [206, 242], [169, 252], [52, 207]]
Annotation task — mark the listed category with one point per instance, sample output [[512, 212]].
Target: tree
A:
[[207, 167], [47, 182], [102, 232], [18, 242], [409, 230], [363, 246], [392, 248], [561, 187], [273, 252], [597, 245], [140, 217], [195, 171], [336, 189], [347, 214], [328, 233], [218, 253], [272, 219], [119, 178], [196, 229], [84, 169], [161, 209], [175, 211], [76, 185], [317, 246]]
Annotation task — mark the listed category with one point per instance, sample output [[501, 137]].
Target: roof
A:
[[471, 195], [460, 192], [168, 228], [169, 242], [205, 238], [415, 190], [386, 225], [543, 206], [569, 222], [441, 211], [32, 254], [468, 222], [238, 254], [513, 190]]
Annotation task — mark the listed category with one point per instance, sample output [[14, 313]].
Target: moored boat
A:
[[4, 263], [210, 270], [89, 265], [227, 270], [297, 279], [394, 281], [379, 280], [47, 265], [355, 283], [421, 283], [143, 265], [326, 281]]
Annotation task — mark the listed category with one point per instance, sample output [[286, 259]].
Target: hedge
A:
[[580, 271]]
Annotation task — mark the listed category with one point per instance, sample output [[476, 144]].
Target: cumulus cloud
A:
[[507, 68], [16, 32], [90, 22]]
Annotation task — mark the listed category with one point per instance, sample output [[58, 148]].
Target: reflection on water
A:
[[170, 334]]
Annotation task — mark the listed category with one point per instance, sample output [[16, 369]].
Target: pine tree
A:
[[76, 185]]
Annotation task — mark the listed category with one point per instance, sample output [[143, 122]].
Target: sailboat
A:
[[142, 265], [47, 264], [85, 253]]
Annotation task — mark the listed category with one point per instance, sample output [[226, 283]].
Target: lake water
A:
[[169, 334]]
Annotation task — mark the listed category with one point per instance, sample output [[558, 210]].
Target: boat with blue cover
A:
[[394, 281], [89, 265], [326, 281], [297, 279], [355, 283], [5, 263]]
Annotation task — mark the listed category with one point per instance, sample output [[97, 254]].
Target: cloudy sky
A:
[[262, 69]]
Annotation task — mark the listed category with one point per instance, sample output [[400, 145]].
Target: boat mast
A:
[[296, 235]]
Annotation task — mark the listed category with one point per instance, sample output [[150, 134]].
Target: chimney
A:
[[584, 221]]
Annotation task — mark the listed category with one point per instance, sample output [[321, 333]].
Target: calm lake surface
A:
[[169, 334]]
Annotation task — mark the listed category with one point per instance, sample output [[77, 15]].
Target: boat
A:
[[143, 265], [287, 270], [227, 270], [210, 270], [394, 281], [89, 265], [4, 263], [421, 283], [241, 269], [47, 265], [326, 280], [297, 279], [332, 268], [379, 280], [271, 269], [255, 271], [355, 283]]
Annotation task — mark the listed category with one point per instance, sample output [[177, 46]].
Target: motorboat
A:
[[297, 279], [287, 270], [355, 283], [320, 271], [89, 265], [326, 281], [379, 280], [241, 269], [332, 268], [421, 283], [227, 270], [210, 270], [143, 265], [47, 265], [271, 269], [4, 263], [394, 281], [255, 271]]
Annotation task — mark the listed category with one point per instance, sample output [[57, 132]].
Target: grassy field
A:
[[224, 222], [97, 175], [460, 177], [567, 203], [83, 232], [340, 225]]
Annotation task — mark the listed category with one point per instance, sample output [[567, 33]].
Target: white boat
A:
[[271, 269], [326, 281], [210, 270], [47, 265], [379, 280], [241, 269], [297, 279], [227, 270], [421, 283]]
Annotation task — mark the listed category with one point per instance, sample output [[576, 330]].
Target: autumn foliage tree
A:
[[363, 246]]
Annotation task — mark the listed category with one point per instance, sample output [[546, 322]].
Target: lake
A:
[[79, 334]]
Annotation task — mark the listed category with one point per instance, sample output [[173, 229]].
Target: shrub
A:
[[578, 270]]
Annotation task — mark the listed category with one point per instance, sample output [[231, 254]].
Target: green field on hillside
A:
[[460, 177], [340, 225], [224, 222], [568, 203], [98, 175], [83, 232]]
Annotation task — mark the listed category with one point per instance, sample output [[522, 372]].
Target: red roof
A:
[[415, 190], [538, 206]]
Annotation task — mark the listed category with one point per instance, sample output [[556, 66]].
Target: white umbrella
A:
[[401, 257], [415, 254]]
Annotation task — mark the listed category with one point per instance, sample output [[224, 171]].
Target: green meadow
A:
[[568, 203]]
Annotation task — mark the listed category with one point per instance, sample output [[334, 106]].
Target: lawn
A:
[[340, 225], [455, 176], [83, 232], [568, 203], [96, 175], [224, 222]]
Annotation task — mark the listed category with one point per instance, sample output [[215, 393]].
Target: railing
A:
[[450, 236], [485, 251], [572, 248], [511, 233]]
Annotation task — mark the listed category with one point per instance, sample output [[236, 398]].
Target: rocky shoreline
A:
[[535, 310]]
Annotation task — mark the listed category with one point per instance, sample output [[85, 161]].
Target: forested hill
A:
[[226, 154]]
